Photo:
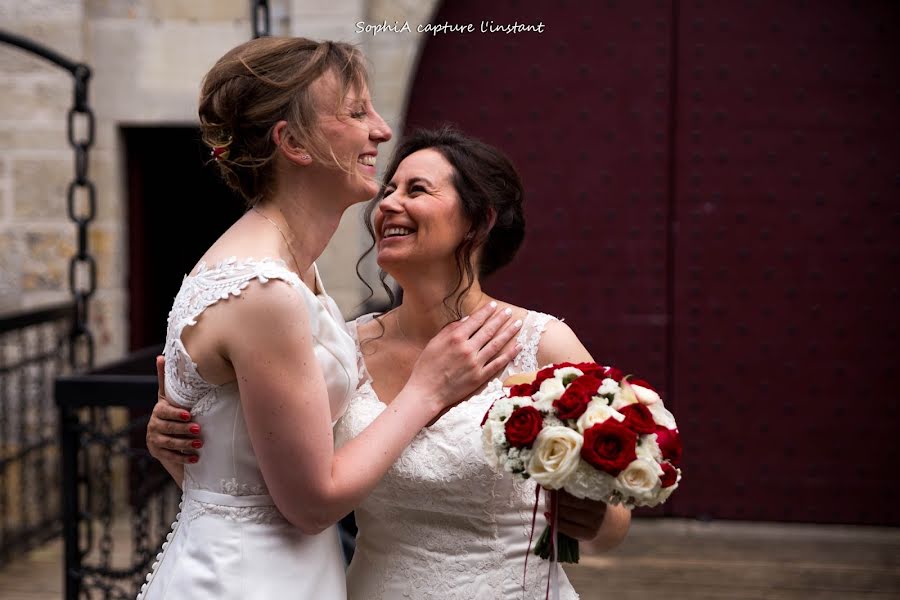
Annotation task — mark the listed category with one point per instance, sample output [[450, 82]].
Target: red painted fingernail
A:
[[194, 428], [197, 444], [193, 459], [185, 416]]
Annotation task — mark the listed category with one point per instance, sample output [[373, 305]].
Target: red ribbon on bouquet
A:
[[553, 574]]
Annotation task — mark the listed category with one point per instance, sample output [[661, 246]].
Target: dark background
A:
[[713, 202]]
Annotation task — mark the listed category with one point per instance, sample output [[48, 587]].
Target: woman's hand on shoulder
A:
[[465, 354]]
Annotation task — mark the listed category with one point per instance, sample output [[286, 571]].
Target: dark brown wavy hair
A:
[[491, 195]]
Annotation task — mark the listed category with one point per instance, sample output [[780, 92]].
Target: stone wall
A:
[[148, 57]]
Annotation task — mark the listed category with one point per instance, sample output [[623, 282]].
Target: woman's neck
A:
[[424, 310], [307, 222]]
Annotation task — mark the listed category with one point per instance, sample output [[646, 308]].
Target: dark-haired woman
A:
[[258, 353], [442, 523]]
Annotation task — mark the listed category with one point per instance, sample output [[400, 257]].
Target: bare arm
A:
[[285, 401], [588, 520]]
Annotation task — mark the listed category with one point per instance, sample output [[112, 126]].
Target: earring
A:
[[305, 157]]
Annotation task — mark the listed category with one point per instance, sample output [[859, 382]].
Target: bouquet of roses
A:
[[589, 430]]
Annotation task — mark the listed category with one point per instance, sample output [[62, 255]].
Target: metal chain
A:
[[82, 208], [261, 18]]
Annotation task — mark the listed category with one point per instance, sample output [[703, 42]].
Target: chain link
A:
[[81, 200]]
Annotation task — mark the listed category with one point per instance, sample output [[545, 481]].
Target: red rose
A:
[[638, 418], [522, 389], [669, 442], [523, 426], [547, 373], [613, 373], [574, 400], [609, 446], [669, 476], [589, 368]]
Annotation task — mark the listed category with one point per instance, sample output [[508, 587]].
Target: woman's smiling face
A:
[[420, 220]]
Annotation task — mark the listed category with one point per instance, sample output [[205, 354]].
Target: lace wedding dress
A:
[[442, 523], [229, 541]]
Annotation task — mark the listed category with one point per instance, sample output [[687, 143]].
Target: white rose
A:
[[597, 411], [645, 395], [551, 389], [625, 396], [640, 481], [588, 482], [608, 387], [662, 416], [648, 449], [564, 372], [555, 455]]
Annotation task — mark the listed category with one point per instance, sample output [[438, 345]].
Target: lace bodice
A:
[[229, 464], [229, 541], [442, 523]]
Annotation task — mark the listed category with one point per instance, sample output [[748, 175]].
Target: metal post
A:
[[68, 435]]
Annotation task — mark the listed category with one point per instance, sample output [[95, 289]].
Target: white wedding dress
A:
[[229, 542], [442, 523]]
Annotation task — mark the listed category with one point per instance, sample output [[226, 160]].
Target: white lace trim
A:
[[206, 287], [233, 487], [258, 515]]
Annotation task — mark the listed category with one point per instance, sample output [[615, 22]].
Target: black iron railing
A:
[[32, 354], [118, 502]]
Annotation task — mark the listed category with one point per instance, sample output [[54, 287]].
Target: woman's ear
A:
[[289, 146]]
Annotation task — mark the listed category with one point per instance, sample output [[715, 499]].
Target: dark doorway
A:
[[177, 207]]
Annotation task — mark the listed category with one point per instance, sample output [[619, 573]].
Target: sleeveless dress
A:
[[230, 542], [442, 523]]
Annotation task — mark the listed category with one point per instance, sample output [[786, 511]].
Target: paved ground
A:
[[667, 560]]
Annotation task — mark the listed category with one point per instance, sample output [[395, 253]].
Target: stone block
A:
[[200, 10], [115, 9], [152, 72], [31, 135], [414, 11], [45, 265], [44, 99], [108, 321], [40, 10], [10, 269], [39, 187], [104, 245]]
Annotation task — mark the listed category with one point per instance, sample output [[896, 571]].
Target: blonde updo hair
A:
[[262, 82]]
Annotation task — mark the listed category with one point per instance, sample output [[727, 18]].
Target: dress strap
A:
[[530, 338], [204, 288]]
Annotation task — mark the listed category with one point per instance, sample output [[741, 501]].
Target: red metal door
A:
[[712, 194]]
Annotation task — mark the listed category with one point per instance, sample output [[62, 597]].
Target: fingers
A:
[[500, 340], [580, 518], [173, 428], [167, 412], [468, 326], [490, 328], [176, 457], [505, 356], [161, 375], [575, 530]]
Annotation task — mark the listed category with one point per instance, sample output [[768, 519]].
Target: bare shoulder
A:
[[560, 344]]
